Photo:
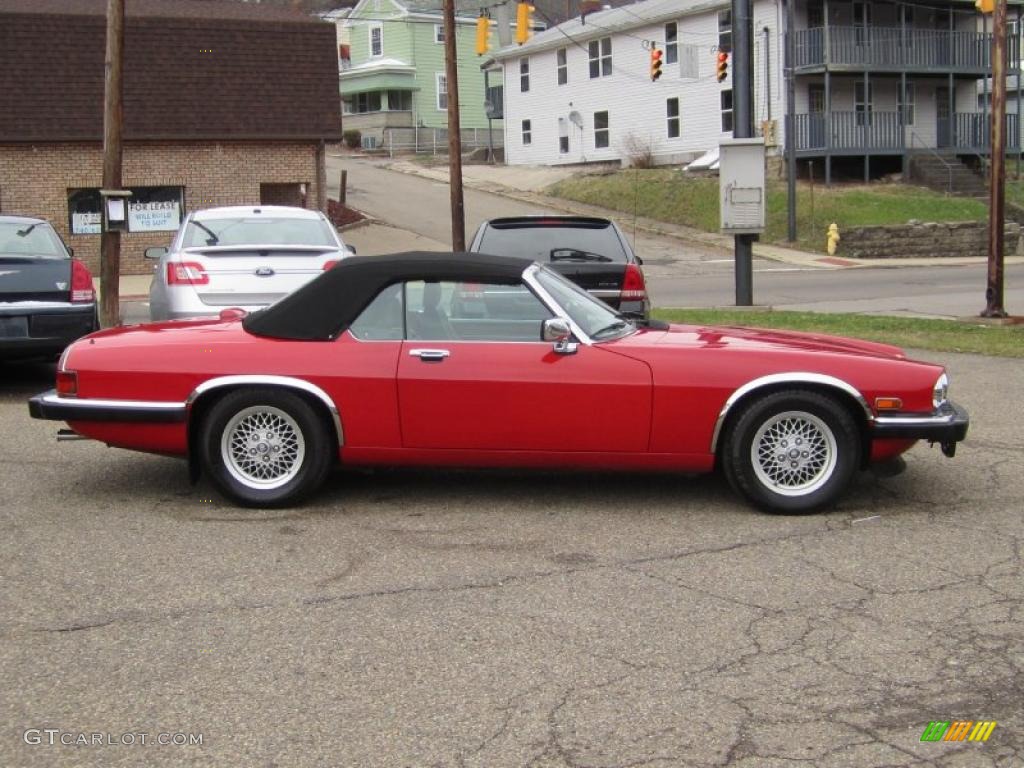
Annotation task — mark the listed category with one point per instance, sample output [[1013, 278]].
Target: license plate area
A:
[[13, 327]]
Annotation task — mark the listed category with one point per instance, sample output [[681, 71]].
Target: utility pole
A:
[[454, 130], [790, 122], [997, 180], [113, 117], [743, 128]]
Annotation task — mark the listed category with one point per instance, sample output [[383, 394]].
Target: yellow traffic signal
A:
[[524, 20], [483, 30], [985, 6], [723, 66], [655, 63]]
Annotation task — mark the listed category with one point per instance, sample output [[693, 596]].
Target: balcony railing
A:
[[973, 130], [896, 48], [867, 132]]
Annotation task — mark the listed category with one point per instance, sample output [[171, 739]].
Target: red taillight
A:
[[633, 286], [328, 264], [186, 273], [82, 291], [67, 383]]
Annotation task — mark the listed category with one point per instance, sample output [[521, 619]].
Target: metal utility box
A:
[[741, 186]]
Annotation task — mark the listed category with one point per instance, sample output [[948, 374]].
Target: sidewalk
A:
[[524, 183]]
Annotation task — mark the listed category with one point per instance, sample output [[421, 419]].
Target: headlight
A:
[[941, 391]]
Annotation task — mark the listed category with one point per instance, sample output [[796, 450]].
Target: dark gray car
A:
[[46, 296]]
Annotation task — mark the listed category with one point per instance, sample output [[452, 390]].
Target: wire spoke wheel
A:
[[262, 447], [794, 453]]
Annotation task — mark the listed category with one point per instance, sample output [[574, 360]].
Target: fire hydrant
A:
[[833, 239]]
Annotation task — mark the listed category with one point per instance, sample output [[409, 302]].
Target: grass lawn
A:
[[670, 196], [941, 335]]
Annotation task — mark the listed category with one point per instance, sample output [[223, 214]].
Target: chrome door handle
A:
[[430, 355]]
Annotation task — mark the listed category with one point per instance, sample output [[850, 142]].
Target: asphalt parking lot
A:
[[510, 619]]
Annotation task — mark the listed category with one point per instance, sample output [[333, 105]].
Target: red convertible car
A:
[[471, 360]]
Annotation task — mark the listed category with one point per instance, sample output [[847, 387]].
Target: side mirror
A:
[[352, 248], [557, 330], [155, 252], [639, 261], [71, 251]]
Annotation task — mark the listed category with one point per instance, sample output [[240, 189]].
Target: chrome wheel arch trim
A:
[[288, 382], [796, 377]]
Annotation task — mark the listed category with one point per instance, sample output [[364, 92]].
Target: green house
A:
[[393, 84]]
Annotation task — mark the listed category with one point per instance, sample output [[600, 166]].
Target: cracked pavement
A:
[[491, 619]]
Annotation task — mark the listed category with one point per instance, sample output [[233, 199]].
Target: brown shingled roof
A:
[[194, 69]]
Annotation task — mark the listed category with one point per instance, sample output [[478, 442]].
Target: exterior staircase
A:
[[947, 173]]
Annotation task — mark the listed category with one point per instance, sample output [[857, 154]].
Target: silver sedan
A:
[[240, 256]]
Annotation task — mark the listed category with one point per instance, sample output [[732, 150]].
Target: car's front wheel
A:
[[792, 452], [265, 447]]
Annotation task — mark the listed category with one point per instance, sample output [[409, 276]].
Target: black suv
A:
[[592, 252]]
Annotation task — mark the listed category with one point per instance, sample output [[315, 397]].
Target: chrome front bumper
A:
[[947, 425]]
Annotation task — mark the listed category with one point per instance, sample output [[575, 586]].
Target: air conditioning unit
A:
[[369, 142]]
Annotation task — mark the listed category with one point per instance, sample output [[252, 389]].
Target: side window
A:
[[382, 319], [447, 311]]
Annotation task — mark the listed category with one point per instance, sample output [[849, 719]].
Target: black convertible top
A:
[[326, 306]]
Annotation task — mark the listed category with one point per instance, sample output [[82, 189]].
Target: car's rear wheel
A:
[[265, 447], [792, 452]]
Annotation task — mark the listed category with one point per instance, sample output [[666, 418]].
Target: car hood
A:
[[759, 339]]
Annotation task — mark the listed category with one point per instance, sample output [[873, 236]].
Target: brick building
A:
[[224, 103]]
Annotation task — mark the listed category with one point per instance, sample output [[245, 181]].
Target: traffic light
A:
[[985, 6], [655, 63], [723, 65], [483, 30], [524, 20]]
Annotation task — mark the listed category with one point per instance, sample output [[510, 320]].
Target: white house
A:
[[874, 82]]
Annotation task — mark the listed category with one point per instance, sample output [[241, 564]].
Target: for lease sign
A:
[[154, 217]]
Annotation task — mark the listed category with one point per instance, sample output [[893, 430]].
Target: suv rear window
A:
[[537, 239]]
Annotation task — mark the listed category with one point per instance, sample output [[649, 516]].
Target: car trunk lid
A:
[[33, 278], [254, 275]]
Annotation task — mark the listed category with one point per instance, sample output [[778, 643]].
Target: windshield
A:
[[555, 241], [599, 321], [31, 239], [258, 230]]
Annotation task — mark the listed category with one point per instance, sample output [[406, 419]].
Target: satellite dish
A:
[[576, 119]]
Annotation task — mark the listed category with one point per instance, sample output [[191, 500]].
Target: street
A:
[[440, 618], [678, 274]]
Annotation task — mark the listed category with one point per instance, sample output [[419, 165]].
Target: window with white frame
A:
[[524, 75], [861, 22], [439, 33], [527, 132], [862, 102], [441, 81], [561, 58], [672, 114], [725, 31], [905, 104], [726, 100], [601, 130], [376, 40], [671, 43], [600, 52], [563, 135]]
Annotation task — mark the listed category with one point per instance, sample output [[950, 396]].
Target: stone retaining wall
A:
[[924, 239]]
